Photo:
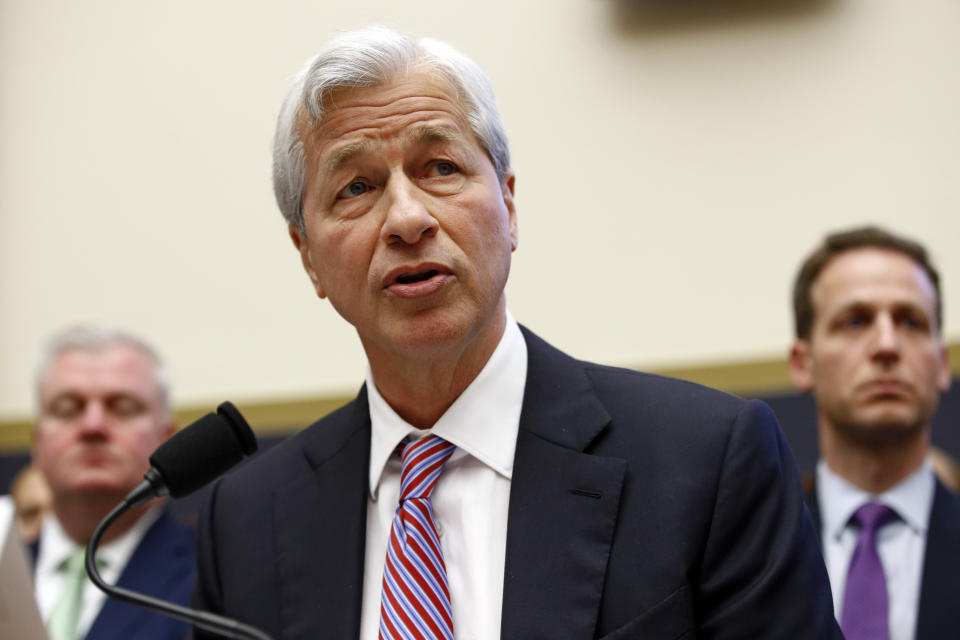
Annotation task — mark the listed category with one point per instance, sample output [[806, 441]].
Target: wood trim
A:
[[278, 418]]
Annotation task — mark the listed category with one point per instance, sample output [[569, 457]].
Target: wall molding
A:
[[278, 418]]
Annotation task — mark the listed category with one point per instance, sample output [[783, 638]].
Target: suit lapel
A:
[[161, 562], [563, 504], [320, 524], [941, 565]]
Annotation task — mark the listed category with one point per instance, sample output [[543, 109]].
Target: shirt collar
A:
[[912, 499], [56, 546], [483, 422]]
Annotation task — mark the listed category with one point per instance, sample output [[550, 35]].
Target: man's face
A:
[[874, 361], [101, 417], [33, 500], [408, 230]]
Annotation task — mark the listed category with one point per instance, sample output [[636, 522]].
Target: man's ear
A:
[[299, 239], [506, 188], [800, 364], [33, 442], [168, 429], [944, 377]]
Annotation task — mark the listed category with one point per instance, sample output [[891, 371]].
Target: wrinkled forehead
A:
[[392, 98]]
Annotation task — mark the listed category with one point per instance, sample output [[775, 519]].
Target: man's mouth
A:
[[417, 281], [886, 388], [419, 276]]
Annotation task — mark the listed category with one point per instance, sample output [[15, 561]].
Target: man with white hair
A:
[[483, 484], [103, 408]]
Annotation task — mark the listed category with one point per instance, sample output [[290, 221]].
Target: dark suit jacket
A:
[[938, 617], [163, 566], [640, 507]]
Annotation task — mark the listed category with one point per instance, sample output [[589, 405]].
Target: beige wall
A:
[[673, 163]]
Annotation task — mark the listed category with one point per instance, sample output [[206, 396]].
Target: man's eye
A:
[[65, 407], [125, 406], [445, 168], [354, 189], [853, 321], [912, 321]]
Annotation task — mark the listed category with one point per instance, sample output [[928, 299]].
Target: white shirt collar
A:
[[56, 546], [912, 499], [483, 422]]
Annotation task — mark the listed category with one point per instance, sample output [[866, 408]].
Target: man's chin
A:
[[93, 485], [427, 331], [885, 428]]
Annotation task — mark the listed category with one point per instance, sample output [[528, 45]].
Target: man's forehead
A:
[[117, 365], [872, 276], [385, 109], [341, 153]]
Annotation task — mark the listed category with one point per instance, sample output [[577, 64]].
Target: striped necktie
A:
[[415, 602]]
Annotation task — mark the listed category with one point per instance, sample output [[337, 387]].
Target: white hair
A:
[[369, 57], [100, 338]]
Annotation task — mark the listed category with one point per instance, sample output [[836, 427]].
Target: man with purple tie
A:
[[868, 345]]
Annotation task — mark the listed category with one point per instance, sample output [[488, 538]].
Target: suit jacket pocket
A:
[[669, 619]]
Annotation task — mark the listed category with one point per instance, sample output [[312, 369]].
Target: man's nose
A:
[[408, 219], [887, 339], [93, 420]]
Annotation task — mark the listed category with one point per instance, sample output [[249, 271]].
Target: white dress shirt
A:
[[471, 498], [56, 546], [900, 543]]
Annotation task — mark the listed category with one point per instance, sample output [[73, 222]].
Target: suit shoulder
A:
[[661, 396], [620, 385], [652, 383], [642, 403]]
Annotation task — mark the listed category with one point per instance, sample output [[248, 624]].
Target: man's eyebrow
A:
[[345, 154], [854, 306], [423, 135]]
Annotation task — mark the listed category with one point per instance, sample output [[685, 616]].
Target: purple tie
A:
[[865, 609]]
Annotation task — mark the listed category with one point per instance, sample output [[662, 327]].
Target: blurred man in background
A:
[[868, 345], [103, 408], [32, 498]]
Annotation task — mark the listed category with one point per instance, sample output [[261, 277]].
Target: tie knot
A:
[[873, 515], [422, 464], [76, 562], [73, 563]]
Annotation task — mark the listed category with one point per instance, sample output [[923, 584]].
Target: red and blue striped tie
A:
[[415, 604]]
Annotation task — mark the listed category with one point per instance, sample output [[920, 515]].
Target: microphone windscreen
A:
[[203, 450]]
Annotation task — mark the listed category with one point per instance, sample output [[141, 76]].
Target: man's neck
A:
[[79, 515], [421, 388], [874, 468]]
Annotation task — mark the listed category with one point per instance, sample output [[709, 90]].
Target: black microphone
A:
[[196, 454], [191, 458]]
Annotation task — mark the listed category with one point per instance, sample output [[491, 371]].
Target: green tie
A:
[[62, 624]]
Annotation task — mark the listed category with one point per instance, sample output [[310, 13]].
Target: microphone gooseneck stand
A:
[[190, 459], [203, 619]]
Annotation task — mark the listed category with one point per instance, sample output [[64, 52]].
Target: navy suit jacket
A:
[[938, 617], [640, 507], [164, 566]]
